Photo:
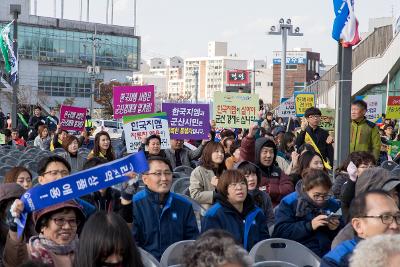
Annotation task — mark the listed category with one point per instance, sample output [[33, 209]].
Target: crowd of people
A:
[[272, 180]]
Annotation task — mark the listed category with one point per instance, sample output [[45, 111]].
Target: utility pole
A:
[[55, 9], [93, 70], [134, 17], [35, 7], [15, 10], [62, 9], [112, 12], [107, 8], [196, 88], [80, 10], [87, 10], [254, 76]]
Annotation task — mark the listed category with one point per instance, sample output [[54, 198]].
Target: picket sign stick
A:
[[80, 184]]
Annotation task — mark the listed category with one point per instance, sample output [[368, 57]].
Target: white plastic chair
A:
[[173, 254]]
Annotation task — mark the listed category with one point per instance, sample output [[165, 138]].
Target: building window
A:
[[258, 83], [291, 67], [270, 84]]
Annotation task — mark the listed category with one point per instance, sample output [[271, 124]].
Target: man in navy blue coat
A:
[[161, 217]]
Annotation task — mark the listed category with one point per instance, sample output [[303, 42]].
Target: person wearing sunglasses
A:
[[235, 211], [310, 214], [57, 241], [161, 217], [372, 213]]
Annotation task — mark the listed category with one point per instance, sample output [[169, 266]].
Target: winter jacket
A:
[[346, 233], [319, 137], [51, 122], [158, 225], [43, 144], [200, 187], [89, 144], [263, 201], [76, 162], [247, 227], [338, 183], [110, 202], [186, 156], [365, 137], [339, 256], [274, 181], [290, 226]]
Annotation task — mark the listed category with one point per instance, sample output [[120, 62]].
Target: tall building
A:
[[262, 80], [301, 66], [54, 55], [206, 75]]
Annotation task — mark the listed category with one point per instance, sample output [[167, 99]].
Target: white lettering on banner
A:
[[92, 181], [55, 192], [81, 184], [29, 200], [109, 176], [67, 189]]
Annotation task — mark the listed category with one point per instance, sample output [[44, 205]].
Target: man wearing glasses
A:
[[161, 217], [320, 137], [372, 213]]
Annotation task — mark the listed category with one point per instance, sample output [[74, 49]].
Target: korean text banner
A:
[[327, 119], [142, 126], [72, 118], [82, 183], [188, 121], [374, 107], [286, 108], [235, 110], [303, 101], [133, 100], [393, 108]]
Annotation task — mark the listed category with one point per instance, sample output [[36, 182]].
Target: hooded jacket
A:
[[248, 227], [274, 181], [365, 137], [158, 224], [293, 221], [339, 256]]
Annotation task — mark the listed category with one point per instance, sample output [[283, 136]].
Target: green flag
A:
[[11, 62]]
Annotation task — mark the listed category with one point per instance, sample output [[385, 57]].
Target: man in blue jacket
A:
[[161, 217], [373, 213]]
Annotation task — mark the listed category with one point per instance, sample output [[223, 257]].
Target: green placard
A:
[[127, 119], [327, 119], [235, 110], [2, 139], [394, 148]]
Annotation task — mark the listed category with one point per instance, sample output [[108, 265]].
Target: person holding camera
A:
[[310, 215]]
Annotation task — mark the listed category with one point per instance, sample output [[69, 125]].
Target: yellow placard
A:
[[303, 101]]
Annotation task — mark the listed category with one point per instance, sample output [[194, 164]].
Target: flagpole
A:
[[15, 10]]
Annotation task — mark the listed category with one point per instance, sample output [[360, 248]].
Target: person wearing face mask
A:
[[371, 179], [304, 215], [204, 178], [179, 155], [235, 212], [56, 243], [20, 175], [260, 198], [307, 160], [71, 146], [102, 147], [153, 144], [263, 153], [161, 217], [373, 213]]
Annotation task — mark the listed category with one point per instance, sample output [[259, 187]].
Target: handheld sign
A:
[[303, 101], [72, 118], [133, 100]]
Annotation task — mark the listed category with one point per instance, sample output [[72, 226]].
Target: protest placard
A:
[[133, 100], [303, 101], [374, 107], [394, 148], [72, 118], [235, 110], [140, 126], [327, 119], [287, 108], [2, 139], [393, 107], [188, 121]]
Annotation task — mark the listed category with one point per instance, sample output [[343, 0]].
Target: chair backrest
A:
[[148, 259], [180, 185], [184, 169], [173, 254], [389, 165], [279, 249], [5, 169], [274, 264]]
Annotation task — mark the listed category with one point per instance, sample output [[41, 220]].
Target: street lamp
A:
[[284, 29]]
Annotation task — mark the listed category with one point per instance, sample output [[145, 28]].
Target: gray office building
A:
[[54, 55]]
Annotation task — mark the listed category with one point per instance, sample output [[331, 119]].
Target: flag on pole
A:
[[6, 48], [345, 26]]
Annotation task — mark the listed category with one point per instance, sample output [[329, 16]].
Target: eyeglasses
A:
[[233, 185], [366, 166], [386, 218], [315, 116], [160, 174], [62, 221], [55, 172], [318, 196]]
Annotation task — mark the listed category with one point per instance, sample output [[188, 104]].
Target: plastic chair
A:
[[389, 165], [274, 264], [32, 166], [58, 150], [279, 249], [180, 185], [9, 160], [148, 259], [23, 162], [1, 179], [173, 254], [185, 169]]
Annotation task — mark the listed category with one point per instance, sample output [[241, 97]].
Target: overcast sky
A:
[[183, 27]]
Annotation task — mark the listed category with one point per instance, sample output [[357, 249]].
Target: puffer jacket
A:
[[274, 181], [248, 227], [365, 137]]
